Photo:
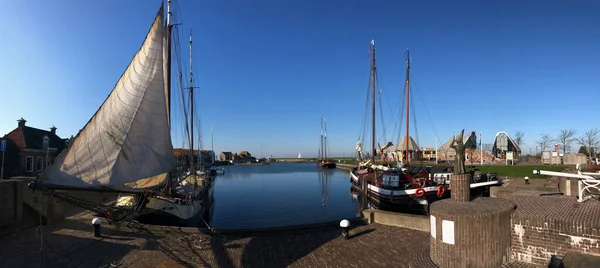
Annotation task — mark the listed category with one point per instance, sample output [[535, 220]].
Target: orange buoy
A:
[[420, 192], [440, 191]]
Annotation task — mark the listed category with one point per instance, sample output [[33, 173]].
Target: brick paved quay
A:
[[71, 244]]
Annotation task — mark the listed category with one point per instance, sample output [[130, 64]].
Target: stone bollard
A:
[[470, 234], [345, 225], [96, 224]]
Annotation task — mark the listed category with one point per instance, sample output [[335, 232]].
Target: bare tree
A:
[[544, 142], [591, 141], [519, 138], [565, 138]]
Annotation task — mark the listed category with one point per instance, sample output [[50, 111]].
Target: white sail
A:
[[128, 138]]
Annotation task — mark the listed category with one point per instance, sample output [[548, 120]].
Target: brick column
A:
[[470, 234], [460, 188]]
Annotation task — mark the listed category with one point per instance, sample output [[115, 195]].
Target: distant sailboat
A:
[[324, 161], [299, 155]]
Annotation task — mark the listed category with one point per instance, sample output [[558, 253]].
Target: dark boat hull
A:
[[165, 212], [329, 165], [407, 198]]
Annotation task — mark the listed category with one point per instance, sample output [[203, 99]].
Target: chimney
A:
[[21, 122], [53, 130]]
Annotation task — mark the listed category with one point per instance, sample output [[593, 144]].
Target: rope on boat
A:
[[111, 212], [212, 230]]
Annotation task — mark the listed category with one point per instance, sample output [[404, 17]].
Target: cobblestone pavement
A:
[[420, 259], [71, 244]]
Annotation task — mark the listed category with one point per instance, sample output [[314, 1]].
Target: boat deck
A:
[[71, 244]]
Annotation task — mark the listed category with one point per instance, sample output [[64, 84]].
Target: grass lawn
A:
[[519, 171]]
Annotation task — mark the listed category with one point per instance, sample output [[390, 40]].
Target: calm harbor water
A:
[[281, 194]]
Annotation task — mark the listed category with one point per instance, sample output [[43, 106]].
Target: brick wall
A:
[[546, 226], [11, 199], [8, 190]]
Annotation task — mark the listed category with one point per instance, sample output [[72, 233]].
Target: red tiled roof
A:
[[32, 138], [16, 135]]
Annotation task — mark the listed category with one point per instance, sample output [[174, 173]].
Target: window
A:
[[39, 163], [29, 164]]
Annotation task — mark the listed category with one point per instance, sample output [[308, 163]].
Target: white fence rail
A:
[[588, 184]]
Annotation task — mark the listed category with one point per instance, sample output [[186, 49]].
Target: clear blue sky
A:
[[269, 69]]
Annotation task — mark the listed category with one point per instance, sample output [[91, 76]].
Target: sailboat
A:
[[324, 161], [214, 170], [393, 187], [126, 146]]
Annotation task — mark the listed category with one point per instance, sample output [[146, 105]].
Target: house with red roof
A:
[[37, 148]]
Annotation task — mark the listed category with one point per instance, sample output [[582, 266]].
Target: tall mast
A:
[[321, 141], [192, 166], [407, 102], [373, 68], [212, 141], [168, 71], [325, 139]]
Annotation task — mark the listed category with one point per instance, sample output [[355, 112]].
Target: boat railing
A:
[[588, 183], [476, 177]]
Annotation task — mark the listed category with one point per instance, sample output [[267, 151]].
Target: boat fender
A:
[[419, 192], [440, 191]]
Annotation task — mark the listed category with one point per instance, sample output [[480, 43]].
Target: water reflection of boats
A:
[[213, 170], [362, 202], [324, 183]]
